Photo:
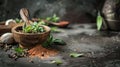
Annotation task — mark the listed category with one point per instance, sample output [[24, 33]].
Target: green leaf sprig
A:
[[52, 40], [75, 55], [33, 28], [54, 18], [57, 61], [17, 20], [99, 21], [19, 50]]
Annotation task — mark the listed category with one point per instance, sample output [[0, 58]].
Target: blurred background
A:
[[75, 11]]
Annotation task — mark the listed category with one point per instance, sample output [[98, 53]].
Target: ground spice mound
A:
[[42, 52]]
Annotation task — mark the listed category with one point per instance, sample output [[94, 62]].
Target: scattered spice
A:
[[42, 52]]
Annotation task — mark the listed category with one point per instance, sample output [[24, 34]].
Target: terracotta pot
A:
[[28, 40]]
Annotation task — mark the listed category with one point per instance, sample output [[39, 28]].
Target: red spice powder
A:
[[42, 52]]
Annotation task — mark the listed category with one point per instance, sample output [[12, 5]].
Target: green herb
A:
[[49, 41], [58, 62], [17, 20], [54, 29], [28, 29], [99, 21], [48, 18], [19, 50], [75, 55], [52, 40], [59, 42], [41, 22], [33, 28], [54, 18]]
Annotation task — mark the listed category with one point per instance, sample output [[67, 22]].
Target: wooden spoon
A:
[[59, 24], [24, 13]]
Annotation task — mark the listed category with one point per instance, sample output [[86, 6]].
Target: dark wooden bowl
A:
[[28, 40], [4, 28]]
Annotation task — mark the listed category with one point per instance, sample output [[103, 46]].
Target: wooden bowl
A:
[[4, 28], [28, 40]]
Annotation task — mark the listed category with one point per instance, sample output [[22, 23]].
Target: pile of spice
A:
[[42, 52]]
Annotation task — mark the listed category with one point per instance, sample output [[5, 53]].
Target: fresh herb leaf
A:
[[55, 18], [17, 20], [48, 18], [28, 29], [54, 29], [41, 22], [59, 42], [19, 50], [75, 55], [49, 41], [34, 24], [99, 21], [58, 62], [33, 28]]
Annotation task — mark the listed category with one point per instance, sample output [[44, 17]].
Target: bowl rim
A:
[[45, 27]]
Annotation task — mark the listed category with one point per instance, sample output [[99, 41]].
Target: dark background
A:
[[72, 10]]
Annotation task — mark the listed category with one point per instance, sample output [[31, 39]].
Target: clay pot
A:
[[28, 40], [113, 25], [111, 15]]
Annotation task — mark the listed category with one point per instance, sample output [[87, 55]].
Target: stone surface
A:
[[100, 49]]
